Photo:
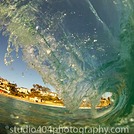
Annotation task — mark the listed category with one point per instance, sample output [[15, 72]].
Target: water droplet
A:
[[73, 65], [95, 41], [14, 116], [22, 74], [48, 51], [131, 119], [37, 27], [65, 14], [6, 127], [17, 123], [107, 94], [93, 56]]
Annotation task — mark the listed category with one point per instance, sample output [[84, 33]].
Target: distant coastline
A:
[[37, 95], [48, 103], [41, 96]]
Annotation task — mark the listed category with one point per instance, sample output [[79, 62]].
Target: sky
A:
[[78, 20], [18, 72]]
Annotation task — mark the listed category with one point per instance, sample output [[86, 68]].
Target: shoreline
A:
[[8, 89], [47, 103]]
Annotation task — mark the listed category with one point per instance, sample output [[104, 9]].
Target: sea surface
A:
[[18, 116]]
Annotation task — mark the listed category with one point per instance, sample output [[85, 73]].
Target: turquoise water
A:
[[82, 48], [20, 114]]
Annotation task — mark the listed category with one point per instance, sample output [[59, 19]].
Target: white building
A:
[[23, 90], [35, 99]]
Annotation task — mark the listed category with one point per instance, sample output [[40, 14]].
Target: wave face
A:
[[82, 48]]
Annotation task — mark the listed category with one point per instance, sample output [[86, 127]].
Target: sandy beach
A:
[[46, 103]]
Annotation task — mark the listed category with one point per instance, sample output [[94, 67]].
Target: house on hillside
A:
[[23, 90], [7, 86], [3, 83], [53, 94], [35, 99], [11, 86], [46, 93]]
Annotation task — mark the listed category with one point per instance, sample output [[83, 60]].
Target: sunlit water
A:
[[82, 48]]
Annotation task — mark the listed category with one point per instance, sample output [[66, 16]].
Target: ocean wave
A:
[[82, 48]]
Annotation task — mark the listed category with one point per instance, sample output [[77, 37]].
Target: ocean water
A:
[[83, 49], [22, 117]]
